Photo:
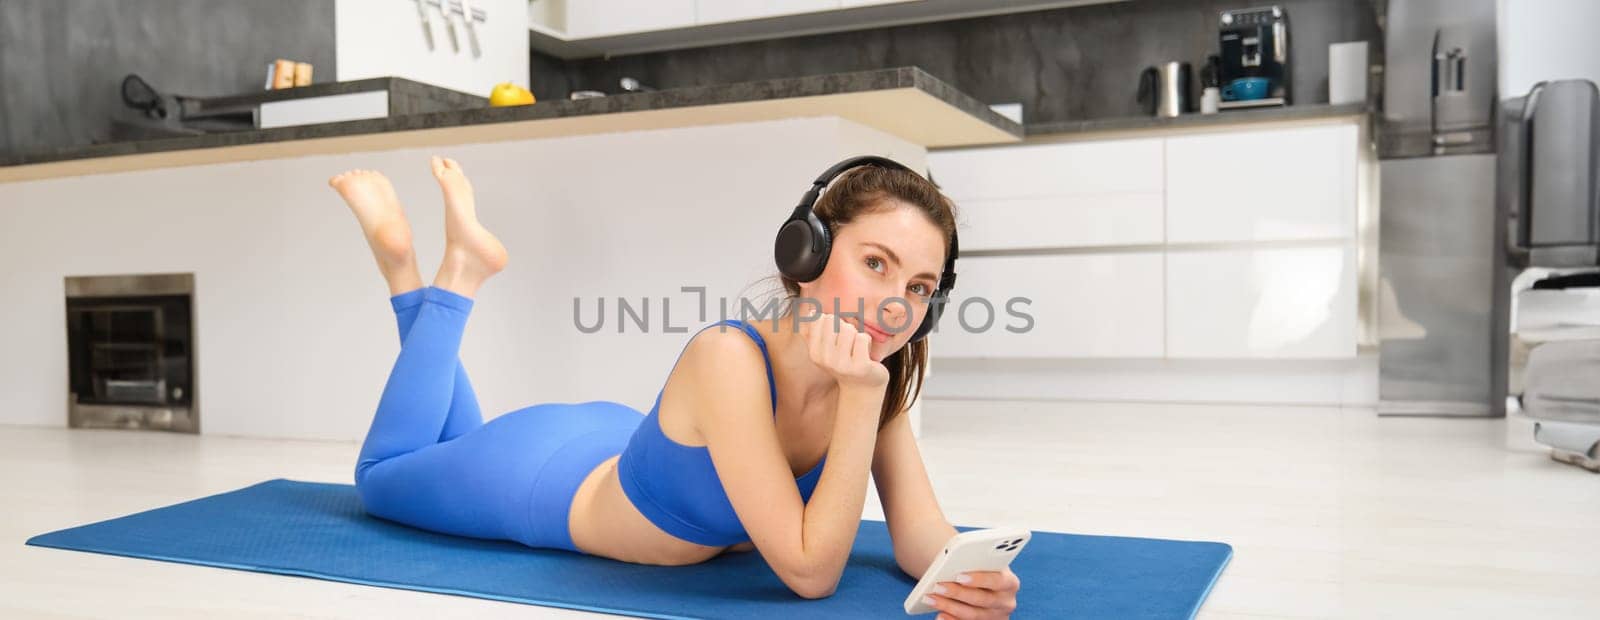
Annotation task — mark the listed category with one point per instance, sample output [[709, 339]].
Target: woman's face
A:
[[884, 266]]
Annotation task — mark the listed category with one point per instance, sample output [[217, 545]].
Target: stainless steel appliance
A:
[[130, 351], [1255, 46], [1550, 175], [1549, 199], [1442, 281], [1164, 90]]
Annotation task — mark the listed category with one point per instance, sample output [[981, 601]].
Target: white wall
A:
[[1546, 40], [375, 38], [294, 333]]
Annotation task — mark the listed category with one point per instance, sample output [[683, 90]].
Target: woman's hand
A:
[[842, 350], [987, 594]]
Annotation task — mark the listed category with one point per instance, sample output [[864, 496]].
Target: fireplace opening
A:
[[130, 352]]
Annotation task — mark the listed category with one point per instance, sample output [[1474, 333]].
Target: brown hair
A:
[[868, 189]]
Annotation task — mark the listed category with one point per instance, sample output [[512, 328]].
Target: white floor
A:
[[1332, 513]]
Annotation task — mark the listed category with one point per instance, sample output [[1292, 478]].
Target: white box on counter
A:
[[327, 109]]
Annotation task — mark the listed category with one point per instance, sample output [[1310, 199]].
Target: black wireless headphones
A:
[[804, 241]]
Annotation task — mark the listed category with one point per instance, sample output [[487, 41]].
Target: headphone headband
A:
[[804, 241], [809, 200]]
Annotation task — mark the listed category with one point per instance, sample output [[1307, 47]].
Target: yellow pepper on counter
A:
[[508, 94]]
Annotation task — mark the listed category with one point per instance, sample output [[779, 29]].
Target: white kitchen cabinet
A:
[[1091, 305], [1264, 185], [598, 18], [1060, 222], [621, 27], [1077, 168], [1055, 195], [1236, 244], [715, 11], [1280, 303]]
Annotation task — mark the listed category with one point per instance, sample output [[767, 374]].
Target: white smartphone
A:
[[978, 550]]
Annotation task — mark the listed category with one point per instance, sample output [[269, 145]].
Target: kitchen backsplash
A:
[[1061, 64], [62, 61]]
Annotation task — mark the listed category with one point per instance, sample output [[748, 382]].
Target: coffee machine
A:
[[1254, 71]]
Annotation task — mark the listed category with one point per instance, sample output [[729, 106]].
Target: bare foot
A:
[[471, 253], [384, 224]]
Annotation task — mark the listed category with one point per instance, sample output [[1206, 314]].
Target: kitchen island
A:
[[906, 102], [666, 202]]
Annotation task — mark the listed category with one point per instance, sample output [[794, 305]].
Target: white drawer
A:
[[1272, 185], [1055, 195], [1060, 221], [1272, 303], [1032, 171], [1085, 305]]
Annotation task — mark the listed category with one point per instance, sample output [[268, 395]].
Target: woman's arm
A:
[[916, 524], [917, 545], [919, 530], [806, 544], [833, 515]]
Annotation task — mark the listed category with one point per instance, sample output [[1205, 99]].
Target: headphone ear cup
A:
[[824, 245], [802, 248], [935, 309]]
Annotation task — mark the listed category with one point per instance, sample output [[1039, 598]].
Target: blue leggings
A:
[[430, 461]]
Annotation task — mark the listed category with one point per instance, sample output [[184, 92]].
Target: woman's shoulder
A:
[[724, 346], [721, 372]]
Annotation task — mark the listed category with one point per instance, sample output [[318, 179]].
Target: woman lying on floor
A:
[[762, 437]]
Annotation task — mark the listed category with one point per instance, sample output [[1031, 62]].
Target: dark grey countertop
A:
[[1259, 115], [437, 112], [831, 84], [401, 86]]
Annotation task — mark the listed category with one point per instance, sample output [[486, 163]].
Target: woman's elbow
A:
[[812, 584], [814, 578], [815, 589]]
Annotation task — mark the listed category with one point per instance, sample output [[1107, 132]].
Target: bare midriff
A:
[[603, 522]]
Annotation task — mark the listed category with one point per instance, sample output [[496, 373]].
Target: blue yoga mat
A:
[[319, 530]]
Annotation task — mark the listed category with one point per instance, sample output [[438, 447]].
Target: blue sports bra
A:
[[677, 488]]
